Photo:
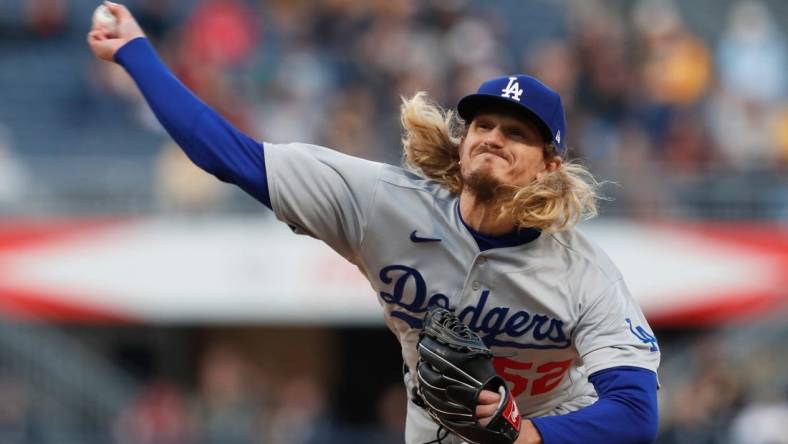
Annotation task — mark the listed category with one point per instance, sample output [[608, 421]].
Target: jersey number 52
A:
[[523, 377]]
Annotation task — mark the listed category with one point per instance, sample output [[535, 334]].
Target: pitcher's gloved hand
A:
[[454, 367]]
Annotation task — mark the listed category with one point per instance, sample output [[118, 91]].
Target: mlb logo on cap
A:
[[524, 94]]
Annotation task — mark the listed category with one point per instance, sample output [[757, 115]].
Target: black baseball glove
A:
[[454, 367]]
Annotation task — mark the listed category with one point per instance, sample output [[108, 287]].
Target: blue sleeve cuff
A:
[[625, 413]]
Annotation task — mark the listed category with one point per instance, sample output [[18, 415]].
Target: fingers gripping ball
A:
[[454, 367], [103, 17]]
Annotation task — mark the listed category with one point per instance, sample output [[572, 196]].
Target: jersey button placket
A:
[[480, 260]]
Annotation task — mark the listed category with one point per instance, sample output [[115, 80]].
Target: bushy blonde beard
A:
[[431, 142]]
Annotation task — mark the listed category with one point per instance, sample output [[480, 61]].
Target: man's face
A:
[[501, 149]]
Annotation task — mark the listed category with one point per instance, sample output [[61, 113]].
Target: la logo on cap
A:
[[512, 90]]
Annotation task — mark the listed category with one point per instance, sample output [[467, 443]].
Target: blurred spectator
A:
[[677, 63], [640, 187], [14, 178], [687, 145], [294, 106], [221, 32], [604, 81], [46, 18], [348, 128], [745, 132], [219, 39], [751, 54], [157, 415], [753, 69], [676, 66], [18, 424], [554, 63], [780, 130], [300, 416], [392, 412], [699, 410], [762, 423], [156, 17], [180, 186], [228, 408]]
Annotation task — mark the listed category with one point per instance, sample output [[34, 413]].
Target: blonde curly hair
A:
[[554, 203]]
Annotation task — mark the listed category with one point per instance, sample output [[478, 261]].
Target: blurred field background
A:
[[144, 302]]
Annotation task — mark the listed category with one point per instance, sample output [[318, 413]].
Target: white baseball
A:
[[102, 16]]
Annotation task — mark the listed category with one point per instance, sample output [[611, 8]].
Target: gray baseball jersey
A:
[[553, 310]]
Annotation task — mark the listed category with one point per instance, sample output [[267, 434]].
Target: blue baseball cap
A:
[[523, 94]]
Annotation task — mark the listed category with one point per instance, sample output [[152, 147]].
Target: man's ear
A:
[[550, 165], [554, 163]]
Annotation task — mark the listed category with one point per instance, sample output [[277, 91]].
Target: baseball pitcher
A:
[[515, 328]]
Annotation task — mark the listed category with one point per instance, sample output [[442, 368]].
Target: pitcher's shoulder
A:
[[577, 249], [397, 176]]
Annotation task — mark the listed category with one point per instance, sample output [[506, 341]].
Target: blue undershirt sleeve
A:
[[207, 139], [625, 413]]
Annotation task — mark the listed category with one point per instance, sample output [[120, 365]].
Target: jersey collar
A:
[[519, 236]]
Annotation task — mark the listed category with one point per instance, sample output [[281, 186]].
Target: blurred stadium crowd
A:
[[683, 104]]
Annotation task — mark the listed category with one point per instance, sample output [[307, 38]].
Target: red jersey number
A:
[[546, 378]]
